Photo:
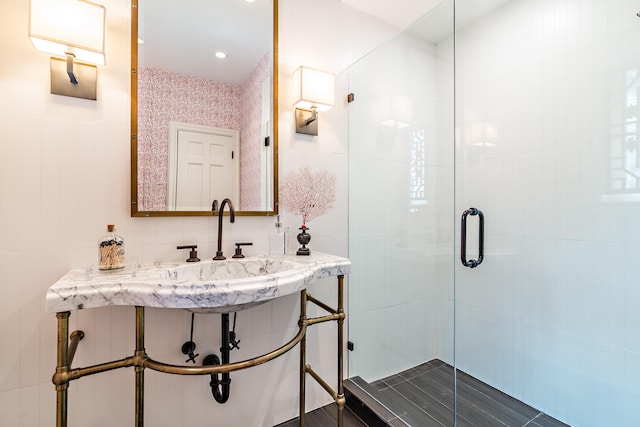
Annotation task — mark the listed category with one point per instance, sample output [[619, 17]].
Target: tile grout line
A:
[[533, 419]]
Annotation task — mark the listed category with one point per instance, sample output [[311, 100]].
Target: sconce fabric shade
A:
[[313, 89], [59, 27]]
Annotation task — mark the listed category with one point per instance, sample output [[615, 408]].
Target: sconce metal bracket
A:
[[303, 125], [86, 74]]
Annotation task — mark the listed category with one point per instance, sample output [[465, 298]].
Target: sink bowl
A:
[[229, 269], [206, 286], [234, 280]]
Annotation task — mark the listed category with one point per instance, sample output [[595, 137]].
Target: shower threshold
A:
[[423, 396]]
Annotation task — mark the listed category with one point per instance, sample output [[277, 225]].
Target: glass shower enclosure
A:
[[504, 132]]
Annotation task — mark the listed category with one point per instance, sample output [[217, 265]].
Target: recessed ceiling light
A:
[[249, 1], [221, 55], [140, 41]]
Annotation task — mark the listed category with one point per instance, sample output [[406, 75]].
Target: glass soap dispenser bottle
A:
[[278, 238], [111, 250]]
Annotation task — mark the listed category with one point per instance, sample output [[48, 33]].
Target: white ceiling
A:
[[399, 13], [183, 36], [430, 19]]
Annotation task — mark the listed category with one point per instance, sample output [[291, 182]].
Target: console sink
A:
[[209, 286]]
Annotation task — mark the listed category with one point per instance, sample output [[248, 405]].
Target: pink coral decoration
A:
[[308, 193]]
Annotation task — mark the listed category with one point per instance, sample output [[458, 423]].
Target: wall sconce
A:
[[73, 30], [313, 92]]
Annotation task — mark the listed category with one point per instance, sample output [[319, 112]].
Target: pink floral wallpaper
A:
[[251, 135], [165, 96]]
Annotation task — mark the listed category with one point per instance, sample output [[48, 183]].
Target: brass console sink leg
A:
[[62, 368], [303, 357], [140, 353], [66, 352], [340, 400], [335, 315]]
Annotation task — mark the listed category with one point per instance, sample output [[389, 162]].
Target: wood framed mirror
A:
[[204, 127]]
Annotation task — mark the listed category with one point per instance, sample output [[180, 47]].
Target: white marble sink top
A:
[[217, 286]]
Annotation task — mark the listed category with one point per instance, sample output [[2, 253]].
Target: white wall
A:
[[64, 174]]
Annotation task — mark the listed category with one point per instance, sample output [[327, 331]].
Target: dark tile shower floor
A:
[[423, 396]]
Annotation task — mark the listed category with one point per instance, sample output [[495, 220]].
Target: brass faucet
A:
[[232, 217]]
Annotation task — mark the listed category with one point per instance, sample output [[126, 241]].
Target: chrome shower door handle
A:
[[463, 238]]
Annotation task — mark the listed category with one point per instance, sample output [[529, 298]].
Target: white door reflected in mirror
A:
[[203, 166]]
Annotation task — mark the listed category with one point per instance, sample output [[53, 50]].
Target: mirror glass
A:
[[203, 106]]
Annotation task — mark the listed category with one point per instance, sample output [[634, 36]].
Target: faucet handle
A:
[[239, 249], [193, 254]]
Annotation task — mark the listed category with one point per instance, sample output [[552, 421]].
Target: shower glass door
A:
[[401, 143], [547, 147]]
